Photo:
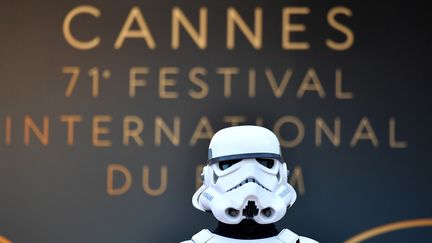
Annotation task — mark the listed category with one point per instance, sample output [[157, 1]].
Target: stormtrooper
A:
[[245, 186]]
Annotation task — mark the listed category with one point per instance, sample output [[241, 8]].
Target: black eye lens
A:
[[266, 162], [223, 165]]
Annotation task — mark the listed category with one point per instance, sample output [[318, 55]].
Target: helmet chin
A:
[[249, 200]]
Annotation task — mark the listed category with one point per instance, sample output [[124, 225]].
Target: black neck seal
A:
[[246, 229]]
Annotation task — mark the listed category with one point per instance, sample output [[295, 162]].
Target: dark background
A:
[[57, 193]]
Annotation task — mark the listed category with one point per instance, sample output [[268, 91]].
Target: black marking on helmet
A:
[[210, 154], [215, 177], [251, 180], [245, 156]]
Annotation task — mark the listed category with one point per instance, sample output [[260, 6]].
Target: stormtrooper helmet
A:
[[245, 178]]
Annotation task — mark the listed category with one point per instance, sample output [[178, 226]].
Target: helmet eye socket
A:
[[269, 163], [223, 165]]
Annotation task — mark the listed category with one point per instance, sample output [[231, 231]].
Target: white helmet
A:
[[245, 178]]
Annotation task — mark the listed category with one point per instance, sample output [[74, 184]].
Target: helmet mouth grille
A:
[[250, 210]]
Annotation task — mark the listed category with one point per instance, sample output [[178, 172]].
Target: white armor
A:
[[285, 236], [245, 179]]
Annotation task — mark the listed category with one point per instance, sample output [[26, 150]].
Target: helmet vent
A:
[[268, 212], [233, 212]]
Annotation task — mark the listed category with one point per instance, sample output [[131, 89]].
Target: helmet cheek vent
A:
[[267, 212], [232, 212]]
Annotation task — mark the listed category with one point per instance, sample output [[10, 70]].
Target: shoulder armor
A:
[[287, 236], [202, 237], [307, 240]]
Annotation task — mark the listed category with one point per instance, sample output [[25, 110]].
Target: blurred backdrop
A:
[[107, 109]]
